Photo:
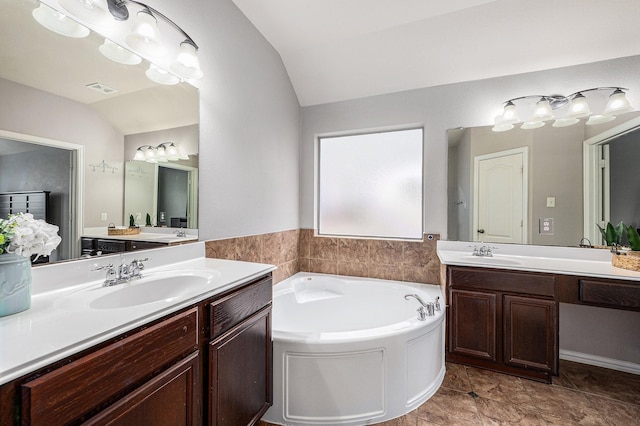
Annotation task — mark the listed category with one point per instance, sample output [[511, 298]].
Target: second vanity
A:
[[503, 310], [189, 343]]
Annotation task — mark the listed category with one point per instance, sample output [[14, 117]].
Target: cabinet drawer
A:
[[232, 309], [609, 294], [503, 281], [68, 393]]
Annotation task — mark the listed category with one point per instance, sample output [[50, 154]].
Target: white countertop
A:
[[53, 329], [560, 260], [152, 235]]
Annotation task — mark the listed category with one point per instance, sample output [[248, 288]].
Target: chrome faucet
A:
[[180, 232], [426, 309], [123, 273], [483, 251]]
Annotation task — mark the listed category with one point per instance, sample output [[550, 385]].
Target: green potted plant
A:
[[629, 259], [612, 235]]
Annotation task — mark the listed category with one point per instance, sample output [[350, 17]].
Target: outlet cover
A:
[[103, 217], [546, 226]]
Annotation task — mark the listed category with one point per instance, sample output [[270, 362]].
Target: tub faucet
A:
[[425, 310]]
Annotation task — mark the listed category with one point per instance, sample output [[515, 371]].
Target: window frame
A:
[[317, 166]]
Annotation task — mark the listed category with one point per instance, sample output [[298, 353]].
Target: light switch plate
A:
[[551, 201]]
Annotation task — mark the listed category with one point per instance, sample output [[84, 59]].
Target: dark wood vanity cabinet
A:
[[207, 364], [503, 320], [240, 366]]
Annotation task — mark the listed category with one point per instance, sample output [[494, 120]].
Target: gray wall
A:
[[249, 123], [42, 169], [624, 156]]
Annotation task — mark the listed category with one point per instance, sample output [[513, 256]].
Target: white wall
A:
[[473, 104], [249, 123]]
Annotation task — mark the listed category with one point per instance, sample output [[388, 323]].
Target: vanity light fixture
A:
[[564, 110], [147, 38], [166, 151]]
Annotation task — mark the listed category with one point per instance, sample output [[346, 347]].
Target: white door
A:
[[500, 191]]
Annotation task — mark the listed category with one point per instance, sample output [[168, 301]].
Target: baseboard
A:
[[600, 361]]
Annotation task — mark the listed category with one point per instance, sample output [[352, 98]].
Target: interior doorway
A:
[[500, 197]]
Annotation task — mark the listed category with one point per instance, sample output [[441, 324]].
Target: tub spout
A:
[[418, 298], [426, 310]]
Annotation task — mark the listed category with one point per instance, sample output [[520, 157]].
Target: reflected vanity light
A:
[[147, 38], [564, 110], [160, 76], [166, 151], [57, 22], [118, 53]]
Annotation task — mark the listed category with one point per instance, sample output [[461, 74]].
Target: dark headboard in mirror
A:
[[541, 186], [47, 101]]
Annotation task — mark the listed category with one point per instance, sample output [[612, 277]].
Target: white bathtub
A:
[[351, 351]]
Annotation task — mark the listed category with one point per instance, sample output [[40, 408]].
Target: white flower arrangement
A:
[[23, 235]]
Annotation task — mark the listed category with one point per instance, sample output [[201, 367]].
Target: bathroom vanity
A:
[[200, 355], [502, 311]]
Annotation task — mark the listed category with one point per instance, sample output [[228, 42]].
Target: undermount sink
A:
[[166, 286], [490, 260], [154, 290]]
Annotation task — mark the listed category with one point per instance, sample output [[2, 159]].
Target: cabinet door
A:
[[529, 333], [240, 384], [472, 330], [168, 399]]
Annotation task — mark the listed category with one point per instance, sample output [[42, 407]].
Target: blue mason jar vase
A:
[[15, 284]]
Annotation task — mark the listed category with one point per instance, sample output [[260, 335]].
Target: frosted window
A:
[[371, 185]]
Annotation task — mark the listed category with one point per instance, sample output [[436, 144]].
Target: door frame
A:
[[525, 188], [76, 185], [595, 190]]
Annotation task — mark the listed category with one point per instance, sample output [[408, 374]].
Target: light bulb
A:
[[92, 11], [145, 37], [187, 64], [139, 155], [617, 104], [578, 107], [510, 114], [542, 111]]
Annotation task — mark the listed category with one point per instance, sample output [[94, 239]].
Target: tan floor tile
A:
[[456, 378], [449, 407], [558, 405], [501, 413], [498, 387], [409, 419], [616, 412], [602, 381]]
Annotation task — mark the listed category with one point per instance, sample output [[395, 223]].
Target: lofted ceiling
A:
[[336, 50]]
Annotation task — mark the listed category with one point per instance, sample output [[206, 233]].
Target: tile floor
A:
[[581, 395]]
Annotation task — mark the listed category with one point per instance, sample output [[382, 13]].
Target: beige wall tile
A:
[[385, 272], [323, 266], [353, 269], [305, 243], [325, 248], [221, 249], [385, 252], [353, 250], [249, 249]]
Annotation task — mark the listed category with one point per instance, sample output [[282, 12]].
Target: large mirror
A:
[[71, 121], [545, 186]]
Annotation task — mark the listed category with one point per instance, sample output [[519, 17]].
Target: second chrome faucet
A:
[[123, 273]]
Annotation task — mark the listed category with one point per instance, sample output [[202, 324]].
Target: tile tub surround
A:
[[301, 250], [582, 394], [276, 248], [412, 261]]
